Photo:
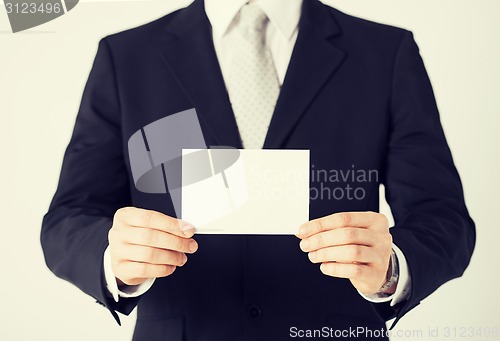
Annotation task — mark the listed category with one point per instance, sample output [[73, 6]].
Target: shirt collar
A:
[[283, 14]]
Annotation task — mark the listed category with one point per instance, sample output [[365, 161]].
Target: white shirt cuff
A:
[[126, 290], [404, 283]]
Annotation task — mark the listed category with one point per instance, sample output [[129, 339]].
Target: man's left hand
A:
[[353, 245]]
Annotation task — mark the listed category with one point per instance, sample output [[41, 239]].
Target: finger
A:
[[359, 272], [146, 270], [345, 219], [344, 254], [336, 237], [158, 239], [145, 254], [155, 220]]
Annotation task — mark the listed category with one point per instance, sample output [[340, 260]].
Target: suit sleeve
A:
[[432, 226], [93, 184]]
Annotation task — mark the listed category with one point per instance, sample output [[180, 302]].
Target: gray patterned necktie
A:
[[252, 82]]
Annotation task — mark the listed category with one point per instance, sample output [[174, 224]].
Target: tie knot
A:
[[252, 19]]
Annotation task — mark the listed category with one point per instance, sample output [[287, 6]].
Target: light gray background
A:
[[42, 74]]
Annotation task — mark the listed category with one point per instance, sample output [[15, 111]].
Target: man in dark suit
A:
[[351, 91]]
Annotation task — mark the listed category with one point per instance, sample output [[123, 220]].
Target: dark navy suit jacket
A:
[[355, 93]]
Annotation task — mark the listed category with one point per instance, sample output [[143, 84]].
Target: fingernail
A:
[[187, 228], [188, 232], [304, 244], [193, 246], [184, 259], [303, 230]]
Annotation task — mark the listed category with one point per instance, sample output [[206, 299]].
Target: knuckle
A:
[[173, 258], [355, 251], [172, 224], [121, 212], [147, 217], [345, 219], [149, 255], [375, 218], [150, 236], [179, 244], [350, 235], [318, 241], [146, 236], [320, 226]]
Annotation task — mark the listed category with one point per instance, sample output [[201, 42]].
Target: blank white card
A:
[[245, 191]]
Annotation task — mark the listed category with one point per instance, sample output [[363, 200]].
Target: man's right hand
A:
[[146, 244]]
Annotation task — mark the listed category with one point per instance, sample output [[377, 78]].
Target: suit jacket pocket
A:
[[161, 328]]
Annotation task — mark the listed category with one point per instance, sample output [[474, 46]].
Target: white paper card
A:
[[245, 191]]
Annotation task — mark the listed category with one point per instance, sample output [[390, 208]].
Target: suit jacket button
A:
[[254, 311]]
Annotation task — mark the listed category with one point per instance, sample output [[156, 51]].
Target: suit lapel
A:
[[190, 55], [315, 58]]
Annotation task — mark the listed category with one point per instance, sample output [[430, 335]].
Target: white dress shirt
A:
[[281, 34]]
